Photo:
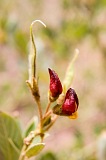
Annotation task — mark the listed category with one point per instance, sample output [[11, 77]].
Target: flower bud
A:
[[55, 86], [69, 106]]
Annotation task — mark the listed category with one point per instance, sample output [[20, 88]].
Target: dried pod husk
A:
[[35, 90], [57, 109]]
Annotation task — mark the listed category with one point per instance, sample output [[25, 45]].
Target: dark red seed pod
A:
[[55, 86], [70, 104]]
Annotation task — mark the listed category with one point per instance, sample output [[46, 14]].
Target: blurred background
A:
[[70, 24]]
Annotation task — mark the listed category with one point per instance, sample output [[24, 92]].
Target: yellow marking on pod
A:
[[74, 115]]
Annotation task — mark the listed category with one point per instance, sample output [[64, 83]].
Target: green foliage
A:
[[10, 138], [99, 4], [66, 4], [75, 30], [49, 32], [98, 128], [48, 156], [21, 41], [79, 139]]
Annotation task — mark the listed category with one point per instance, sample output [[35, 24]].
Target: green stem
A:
[[27, 142], [22, 155], [40, 114], [38, 104], [32, 83]]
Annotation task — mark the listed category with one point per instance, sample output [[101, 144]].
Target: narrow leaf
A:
[[32, 55], [70, 72], [31, 126]]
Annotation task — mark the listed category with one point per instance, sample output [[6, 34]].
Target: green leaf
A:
[[34, 149], [10, 138], [31, 126]]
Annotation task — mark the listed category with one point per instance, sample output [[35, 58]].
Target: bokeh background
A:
[[70, 24]]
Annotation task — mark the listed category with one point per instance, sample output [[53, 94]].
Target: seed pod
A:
[[55, 87], [69, 106], [71, 103]]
